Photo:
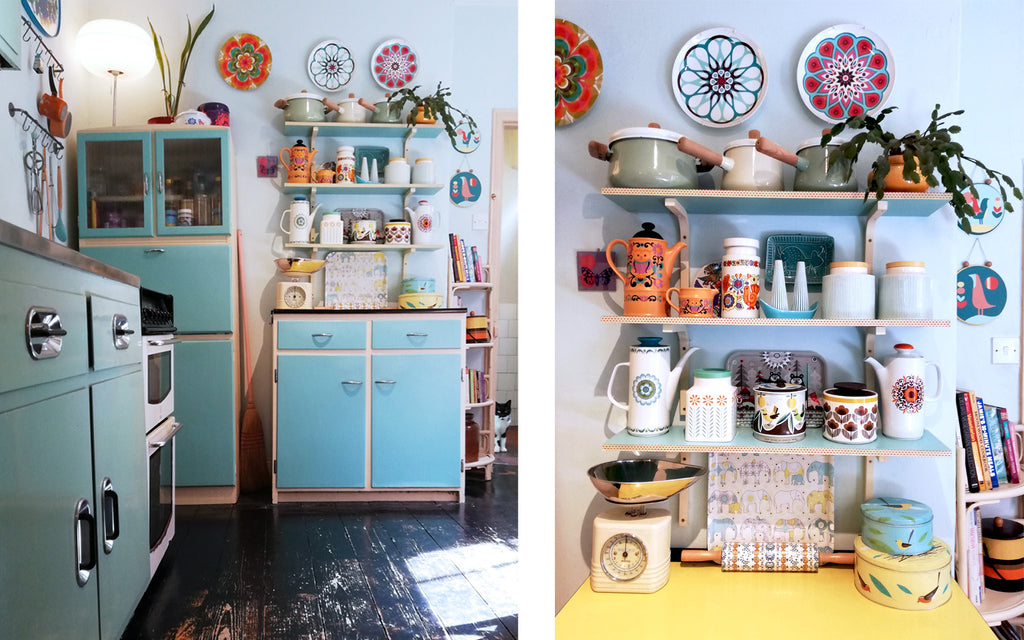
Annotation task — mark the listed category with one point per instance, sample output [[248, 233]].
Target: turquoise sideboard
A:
[[74, 520]]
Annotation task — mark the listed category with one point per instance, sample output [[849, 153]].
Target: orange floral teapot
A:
[[649, 262], [300, 161]]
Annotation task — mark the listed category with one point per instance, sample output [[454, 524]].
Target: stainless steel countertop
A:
[[18, 238]]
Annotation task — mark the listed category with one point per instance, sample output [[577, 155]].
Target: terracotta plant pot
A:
[[894, 180]]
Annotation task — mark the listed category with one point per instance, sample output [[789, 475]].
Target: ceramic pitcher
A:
[[652, 387], [901, 392], [649, 262], [424, 221], [299, 162], [300, 220]]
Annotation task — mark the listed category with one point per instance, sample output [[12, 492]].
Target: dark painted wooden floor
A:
[[256, 571]]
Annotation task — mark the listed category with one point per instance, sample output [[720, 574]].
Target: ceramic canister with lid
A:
[[332, 229], [851, 413], [911, 583], [780, 410], [741, 268], [397, 171], [905, 291], [898, 526], [423, 171], [710, 406], [848, 292], [345, 165]]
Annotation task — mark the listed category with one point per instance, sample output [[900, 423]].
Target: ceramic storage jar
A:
[[741, 273], [911, 583], [710, 406], [848, 292], [905, 291]]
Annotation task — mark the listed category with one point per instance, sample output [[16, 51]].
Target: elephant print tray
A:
[[754, 497]]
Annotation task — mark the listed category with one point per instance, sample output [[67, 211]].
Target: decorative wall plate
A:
[[814, 250], [980, 294], [719, 77], [845, 71], [988, 209], [464, 188], [394, 64], [244, 61], [578, 72], [751, 368], [465, 142], [44, 14], [330, 65]]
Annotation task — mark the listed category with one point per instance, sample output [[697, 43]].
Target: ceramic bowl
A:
[[299, 267], [419, 300], [192, 117], [642, 481], [771, 312]]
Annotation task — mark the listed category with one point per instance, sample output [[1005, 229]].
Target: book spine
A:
[[995, 434], [477, 267], [452, 244], [970, 466], [467, 271], [1013, 460], [972, 557], [976, 447], [986, 440]]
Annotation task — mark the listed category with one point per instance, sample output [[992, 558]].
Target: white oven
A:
[[160, 446], [158, 377]]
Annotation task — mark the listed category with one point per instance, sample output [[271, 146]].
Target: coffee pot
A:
[[300, 220], [649, 262], [299, 162], [424, 221], [652, 387], [901, 392]]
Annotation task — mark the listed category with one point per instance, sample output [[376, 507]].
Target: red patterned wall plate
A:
[[845, 71], [578, 72], [244, 61], [394, 64]]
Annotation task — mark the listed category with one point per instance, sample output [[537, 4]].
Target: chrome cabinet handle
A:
[[85, 541], [159, 181], [351, 382], [111, 515], [44, 333], [386, 381], [323, 335], [121, 332], [417, 335], [160, 343], [154, 250], [145, 183]]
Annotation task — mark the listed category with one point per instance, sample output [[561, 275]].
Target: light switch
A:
[[1005, 350]]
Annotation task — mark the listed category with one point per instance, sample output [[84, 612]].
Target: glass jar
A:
[[905, 291], [848, 292], [710, 406], [741, 274]]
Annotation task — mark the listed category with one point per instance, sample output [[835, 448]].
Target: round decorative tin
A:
[[845, 71], [988, 209], [244, 61], [330, 65], [394, 64], [780, 412], [980, 294], [911, 583], [719, 77], [896, 525], [578, 72], [851, 415]]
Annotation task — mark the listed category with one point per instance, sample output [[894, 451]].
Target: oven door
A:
[[160, 444], [158, 376]]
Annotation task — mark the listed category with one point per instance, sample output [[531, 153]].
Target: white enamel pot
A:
[[746, 168]]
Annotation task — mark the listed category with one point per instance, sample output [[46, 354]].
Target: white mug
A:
[[332, 229]]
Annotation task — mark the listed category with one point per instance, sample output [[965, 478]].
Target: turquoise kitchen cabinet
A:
[[204, 399], [415, 403], [202, 304], [138, 182], [321, 427], [10, 34], [368, 405]]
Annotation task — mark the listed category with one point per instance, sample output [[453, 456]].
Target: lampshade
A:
[[115, 47]]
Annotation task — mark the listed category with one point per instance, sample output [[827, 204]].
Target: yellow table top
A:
[[701, 601]]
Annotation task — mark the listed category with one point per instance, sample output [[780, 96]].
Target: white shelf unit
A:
[[995, 606]]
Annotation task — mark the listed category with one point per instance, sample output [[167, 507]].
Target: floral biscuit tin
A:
[[896, 525], [911, 583]]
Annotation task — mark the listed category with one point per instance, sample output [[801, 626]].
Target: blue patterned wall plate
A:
[[980, 294], [330, 66], [988, 209], [719, 77], [814, 250], [44, 14]]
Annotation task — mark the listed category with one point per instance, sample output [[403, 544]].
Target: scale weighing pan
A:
[[642, 481]]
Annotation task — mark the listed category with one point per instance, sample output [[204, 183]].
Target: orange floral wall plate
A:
[[578, 72], [244, 61]]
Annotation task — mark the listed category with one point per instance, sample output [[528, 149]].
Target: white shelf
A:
[[404, 248], [772, 322], [1003, 491], [474, 405], [483, 461], [362, 129], [470, 286], [479, 345], [365, 189]]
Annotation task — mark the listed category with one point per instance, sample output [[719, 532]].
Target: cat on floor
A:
[[502, 420]]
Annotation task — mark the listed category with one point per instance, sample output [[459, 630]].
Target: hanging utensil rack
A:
[[28, 123], [41, 48]]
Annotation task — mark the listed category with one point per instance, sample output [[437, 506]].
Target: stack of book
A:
[[466, 265], [991, 459], [477, 388]]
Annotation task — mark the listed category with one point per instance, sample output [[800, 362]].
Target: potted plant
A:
[[430, 107], [929, 158], [171, 101]]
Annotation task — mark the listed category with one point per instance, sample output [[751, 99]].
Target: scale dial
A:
[[623, 557], [294, 297]]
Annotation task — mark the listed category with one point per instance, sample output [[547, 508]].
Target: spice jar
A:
[[741, 268], [848, 292], [904, 291]]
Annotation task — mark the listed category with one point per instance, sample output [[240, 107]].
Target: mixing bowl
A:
[[642, 481]]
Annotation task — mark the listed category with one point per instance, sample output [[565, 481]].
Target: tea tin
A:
[[896, 525], [780, 412], [911, 583]]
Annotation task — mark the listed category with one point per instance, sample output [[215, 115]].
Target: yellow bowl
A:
[[419, 300], [297, 267]]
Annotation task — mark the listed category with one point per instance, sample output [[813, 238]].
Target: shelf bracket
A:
[[869, 352], [877, 211], [312, 136], [679, 211], [405, 199], [405, 145], [684, 500]]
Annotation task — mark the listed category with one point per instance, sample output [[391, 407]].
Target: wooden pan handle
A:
[[598, 150], [366, 104], [773, 150], [702, 153], [331, 105], [281, 103]]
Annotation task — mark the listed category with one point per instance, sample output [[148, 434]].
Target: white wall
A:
[[638, 43]]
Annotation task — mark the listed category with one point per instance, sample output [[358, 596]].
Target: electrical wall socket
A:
[[1005, 350], [479, 220]]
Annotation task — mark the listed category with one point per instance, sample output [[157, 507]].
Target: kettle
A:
[[649, 262], [300, 161], [652, 387], [424, 220], [901, 392]]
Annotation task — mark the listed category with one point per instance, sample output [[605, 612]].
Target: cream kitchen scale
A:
[[631, 543], [297, 292]]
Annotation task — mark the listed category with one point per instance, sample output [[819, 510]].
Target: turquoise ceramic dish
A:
[[814, 250], [771, 312]]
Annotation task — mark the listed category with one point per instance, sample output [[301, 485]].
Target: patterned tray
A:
[[356, 280], [751, 368], [815, 251]]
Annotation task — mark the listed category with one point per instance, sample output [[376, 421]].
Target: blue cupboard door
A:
[[321, 421], [115, 184], [198, 276], [416, 417], [204, 403], [120, 482], [192, 169], [45, 470]]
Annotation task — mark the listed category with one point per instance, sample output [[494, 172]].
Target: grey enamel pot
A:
[[817, 168], [646, 158], [303, 107], [386, 112]]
